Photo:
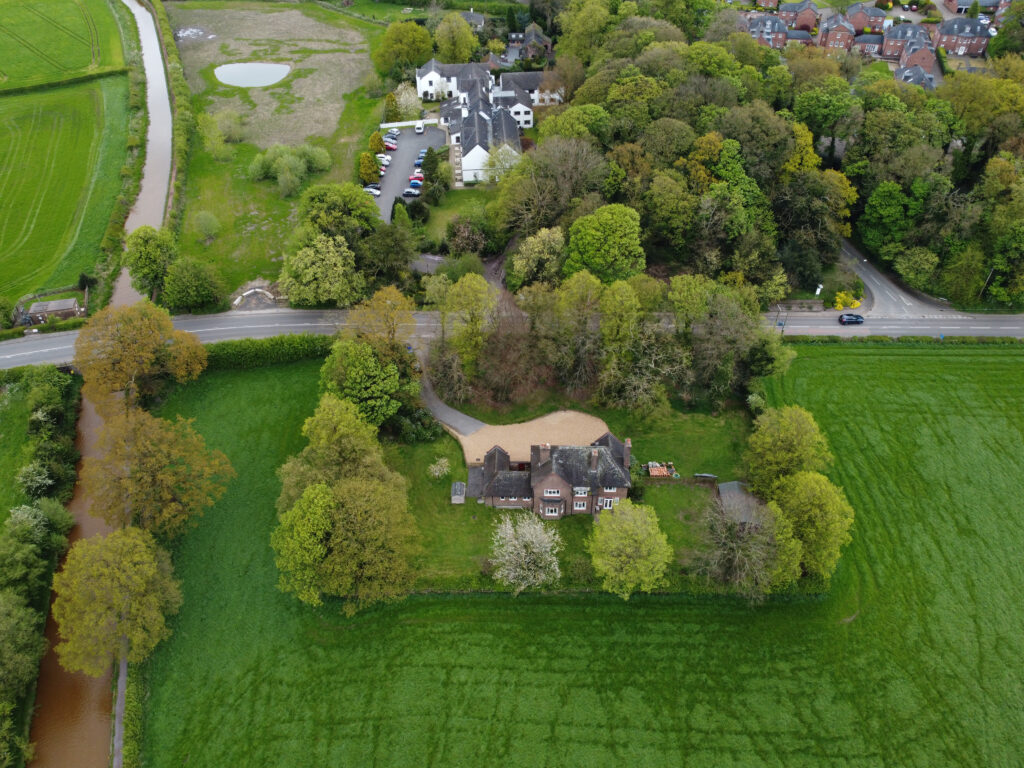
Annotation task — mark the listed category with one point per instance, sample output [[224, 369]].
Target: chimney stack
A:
[[625, 453], [545, 452], [593, 458]]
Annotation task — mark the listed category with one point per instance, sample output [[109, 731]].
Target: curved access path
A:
[[72, 723]]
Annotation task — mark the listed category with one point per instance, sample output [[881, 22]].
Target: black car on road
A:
[[850, 319]]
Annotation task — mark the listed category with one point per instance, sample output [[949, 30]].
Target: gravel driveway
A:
[[402, 165]]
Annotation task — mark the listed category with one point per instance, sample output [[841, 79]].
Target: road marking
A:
[[949, 327], [981, 327], [33, 352]]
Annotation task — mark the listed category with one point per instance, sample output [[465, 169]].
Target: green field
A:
[[61, 153], [912, 659], [53, 40], [14, 415]]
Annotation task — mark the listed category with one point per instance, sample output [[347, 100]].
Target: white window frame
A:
[[502, 498], [579, 505], [552, 493], [607, 503], [550, 511], [579, 490], [611, 489], [513, 498]]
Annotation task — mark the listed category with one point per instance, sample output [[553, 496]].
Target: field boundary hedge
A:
[[905, 340], [256, 353], [65, 81]]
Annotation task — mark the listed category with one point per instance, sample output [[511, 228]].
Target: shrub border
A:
[[906, 340]]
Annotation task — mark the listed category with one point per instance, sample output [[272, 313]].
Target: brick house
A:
[[961, 37], [767, 30], [836, 33], [559, 480], [916, 76], [868, 44], [918, 53], [896, 38], [767, 3], [989, 7], [866, 17], [803, 15], [801, 36], [531, 42], [61, 309]]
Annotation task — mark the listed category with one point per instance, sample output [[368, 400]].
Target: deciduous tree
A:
[[785, 440], [192, 284], [629, 550], [148, 254], [454, 39], [23, 644], [122, 349], [387, 314], [338, 209], [153, 473], [322, 272], [539, 257], [469, 307], [369, 171], [525, 552], [113, 596], [353, 372], [820, 516], [405, 44], [606, 243]]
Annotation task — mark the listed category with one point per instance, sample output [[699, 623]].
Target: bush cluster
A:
[[253, 353], [289, 166], [53, 405]]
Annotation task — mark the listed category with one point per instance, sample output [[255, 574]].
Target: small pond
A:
[[251, 74]]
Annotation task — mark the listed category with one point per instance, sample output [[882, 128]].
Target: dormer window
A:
[[610, 489], [552, 493]]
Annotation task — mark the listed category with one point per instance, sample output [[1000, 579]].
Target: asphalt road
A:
[[396, 179]]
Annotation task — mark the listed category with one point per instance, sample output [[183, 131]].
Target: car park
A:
[[848, 318], [411, 192]]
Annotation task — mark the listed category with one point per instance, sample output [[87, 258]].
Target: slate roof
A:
[[510, 483], [572, 464], [836, 21], [534, 34], [459, 71], [798, 34], [765, 25], [504, 129], [915, 45], [916, 76], [906, 32], [963, 28], [473, 19], [797, 7], [616, 446], [868, 40], [58, 305], [451, 110], [519, 96], [870, 10], [528, 81]]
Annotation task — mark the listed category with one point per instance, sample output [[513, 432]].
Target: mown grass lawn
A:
[[61, 152], [912, 658], [467, 202]]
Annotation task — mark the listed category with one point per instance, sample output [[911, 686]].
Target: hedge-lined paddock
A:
[[255, 353], [887, 340]]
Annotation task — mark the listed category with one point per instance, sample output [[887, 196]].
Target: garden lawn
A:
[[467, 202], [61, 153], [912, 658], [47, 41]]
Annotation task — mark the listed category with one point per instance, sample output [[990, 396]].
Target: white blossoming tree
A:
[[525, 552]]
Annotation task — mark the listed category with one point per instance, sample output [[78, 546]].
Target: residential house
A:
[[770, 4], [801, 36], [916, 75], [896, 37], [559, 480], [836, 33], [531, 43], [918, 53], [532, 84], [517, 101], [803, 15], [868, 44], [435, 81], [475, 20], [866, 18], [61, 309], [482, 129], [961, 37], [767, 30]]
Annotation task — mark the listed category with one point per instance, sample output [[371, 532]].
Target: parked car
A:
[[850, 319], [985, 20], [390, 146], [416, 177], [423, 153], [905, 6], [411, 192], [384, 160], [415, 183], [372, 185], [383, 157], [393, 132], [419, 162], [372, 191], [419, 127]]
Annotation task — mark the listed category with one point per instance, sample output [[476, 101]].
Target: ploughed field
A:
[[912, 659], [61, 147]]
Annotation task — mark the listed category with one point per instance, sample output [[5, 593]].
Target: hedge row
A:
[[254, 353], [181, 107], [73, 80], [70, 324], [135, 694], [956, 340]]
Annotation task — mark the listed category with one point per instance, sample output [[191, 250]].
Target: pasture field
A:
[[46, 41], [61, 152], [912, 659]]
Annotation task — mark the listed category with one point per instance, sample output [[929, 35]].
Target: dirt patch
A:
[[559, 428], [327, 62]]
